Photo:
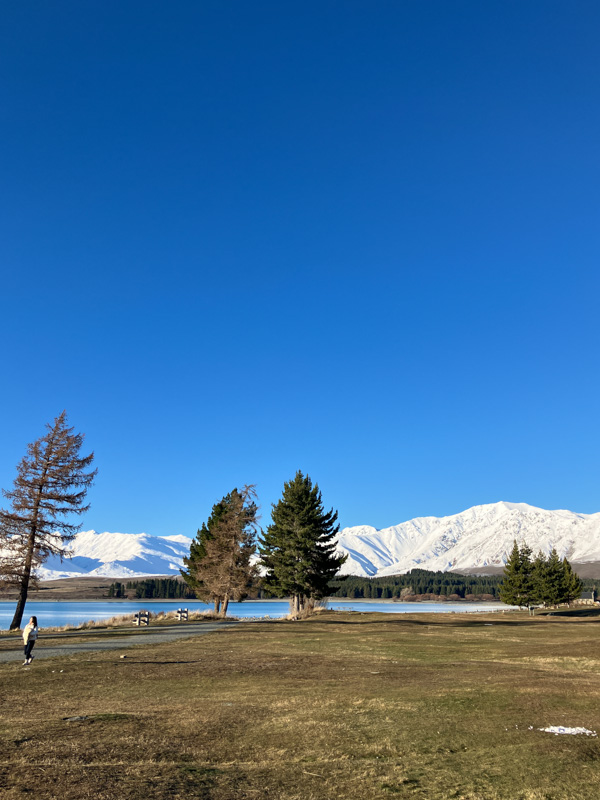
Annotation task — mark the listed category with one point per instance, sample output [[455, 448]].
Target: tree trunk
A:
[[217, 605], [224, 605], [24, 588]]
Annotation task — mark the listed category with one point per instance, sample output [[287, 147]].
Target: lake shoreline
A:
[[74, 613], [34, 597]]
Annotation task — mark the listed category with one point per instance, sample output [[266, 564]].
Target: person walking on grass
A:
[[30, 633]]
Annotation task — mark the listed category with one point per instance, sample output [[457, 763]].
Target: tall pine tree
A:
[[552, 587], [49, 490], [518, 587], [221, 567], [298, 549], [571, 582], [540, 564]]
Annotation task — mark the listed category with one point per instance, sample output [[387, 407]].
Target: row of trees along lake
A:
[[152, 588], [416, 585], [543, 580], [297, 550]]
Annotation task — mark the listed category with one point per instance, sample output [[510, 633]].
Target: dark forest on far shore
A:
[[418, 584]]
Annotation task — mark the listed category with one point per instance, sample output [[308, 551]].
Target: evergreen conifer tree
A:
[[572, 583], [552, 587], [222, 568], [49, 489], [518, 587], [540, 564], [508, 590], [298, 549]]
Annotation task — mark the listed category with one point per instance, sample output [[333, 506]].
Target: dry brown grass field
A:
[[340, 706]]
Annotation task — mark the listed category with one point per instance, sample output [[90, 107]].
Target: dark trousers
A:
[[29, 647]]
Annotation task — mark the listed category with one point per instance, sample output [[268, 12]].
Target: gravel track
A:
[[12, 649]]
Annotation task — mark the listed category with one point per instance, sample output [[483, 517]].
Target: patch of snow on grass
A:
[[558, 729]]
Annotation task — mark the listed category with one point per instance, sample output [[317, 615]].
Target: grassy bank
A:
[[120, 622], [345, 706]]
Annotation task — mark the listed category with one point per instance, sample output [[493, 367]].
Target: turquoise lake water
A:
[[58, 613]]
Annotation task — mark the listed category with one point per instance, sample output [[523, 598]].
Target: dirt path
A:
[[11, 649]]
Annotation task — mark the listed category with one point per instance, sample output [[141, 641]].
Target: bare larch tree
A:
[[49, 489]]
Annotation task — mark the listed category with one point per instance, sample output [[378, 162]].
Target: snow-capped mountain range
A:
[[118, 555], [479, 538]]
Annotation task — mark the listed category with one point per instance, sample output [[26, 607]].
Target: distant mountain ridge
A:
[[476, 539], [119, 555], [479, 537]]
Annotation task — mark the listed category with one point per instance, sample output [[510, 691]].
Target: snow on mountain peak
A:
[[481, 536], [119, 555]]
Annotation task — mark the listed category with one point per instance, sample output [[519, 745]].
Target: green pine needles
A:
[[544, 580], [298, 550]]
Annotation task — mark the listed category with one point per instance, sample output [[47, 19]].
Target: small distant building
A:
[[587, 598]]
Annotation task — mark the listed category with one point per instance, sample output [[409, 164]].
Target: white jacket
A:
[[30, 631]]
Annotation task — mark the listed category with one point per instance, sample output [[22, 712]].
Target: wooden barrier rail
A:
[[141, 618]]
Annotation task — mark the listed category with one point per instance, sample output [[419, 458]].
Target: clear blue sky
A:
[[360, 239]]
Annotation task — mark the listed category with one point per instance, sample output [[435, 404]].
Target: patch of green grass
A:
[[341, 706]]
